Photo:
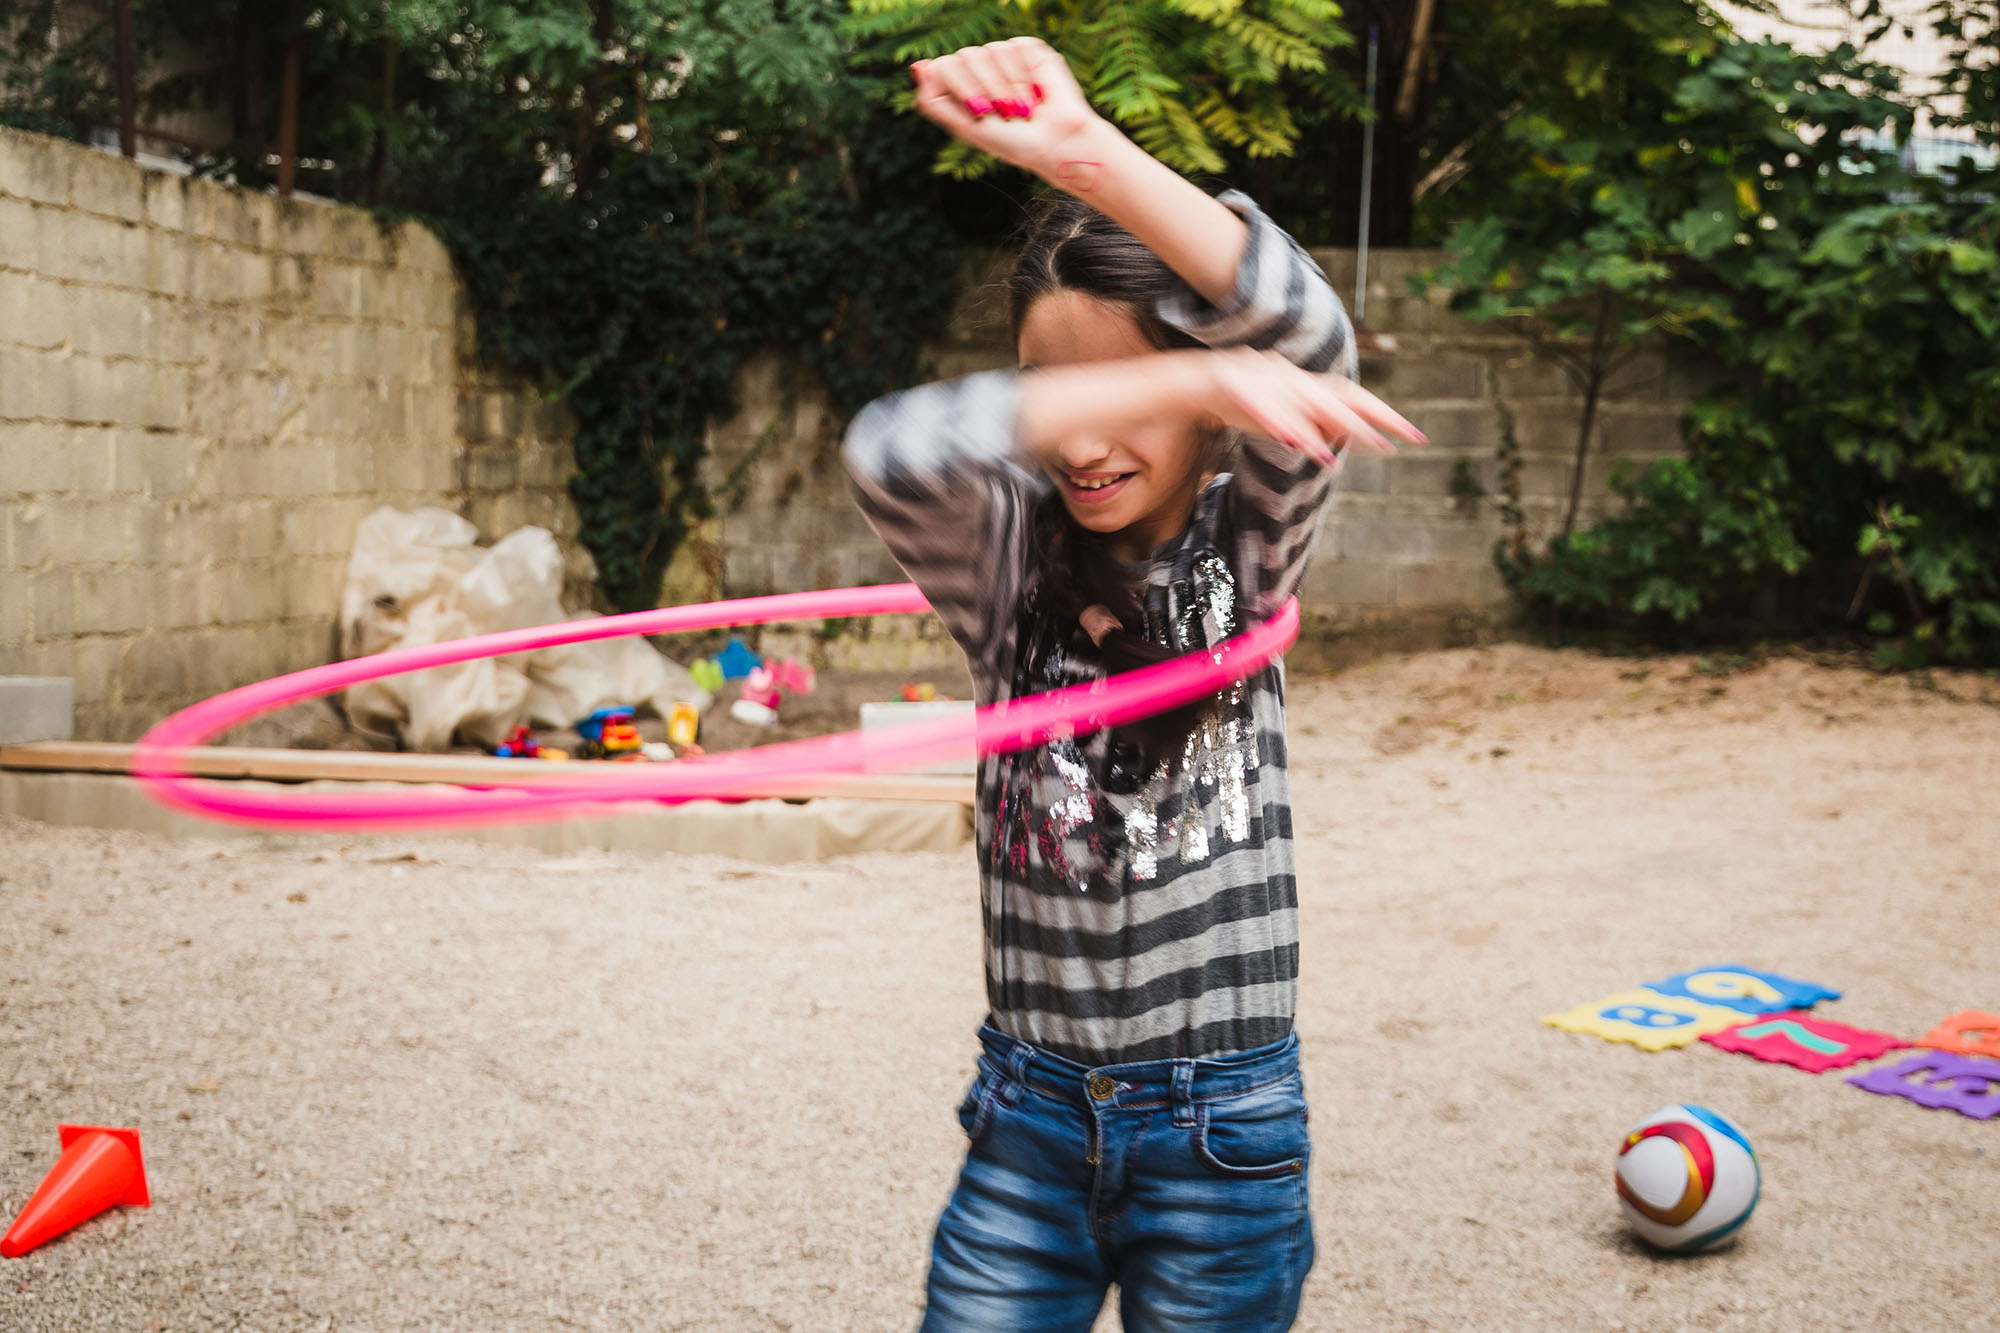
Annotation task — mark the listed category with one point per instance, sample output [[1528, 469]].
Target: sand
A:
[[441, 1087]]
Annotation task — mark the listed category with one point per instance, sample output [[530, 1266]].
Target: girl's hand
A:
[[1264, 394], [1018, 101]]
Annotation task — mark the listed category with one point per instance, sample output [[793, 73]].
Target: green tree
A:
[[1188, 79], [1757, 210]]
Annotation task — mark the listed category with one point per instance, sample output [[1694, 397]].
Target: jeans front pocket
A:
[[975, 1112], [1260, 1135]]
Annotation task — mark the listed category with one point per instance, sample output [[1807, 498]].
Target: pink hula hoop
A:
[[764, 771]]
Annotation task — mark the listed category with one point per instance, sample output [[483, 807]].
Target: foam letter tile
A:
[[1647, 1019], [1797, 1038], [1744, 989], [1962, 1083], [1968, 1033]]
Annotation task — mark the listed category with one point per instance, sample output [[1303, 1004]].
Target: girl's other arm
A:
[[937, 473]]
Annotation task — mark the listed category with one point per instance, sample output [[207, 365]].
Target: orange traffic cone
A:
[[99, 1169]]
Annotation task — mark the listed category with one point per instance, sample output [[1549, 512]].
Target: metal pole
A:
[[288, 109], [1367, 181], [128, 130]]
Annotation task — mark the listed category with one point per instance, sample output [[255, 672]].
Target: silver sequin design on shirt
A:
[[1072, 814]]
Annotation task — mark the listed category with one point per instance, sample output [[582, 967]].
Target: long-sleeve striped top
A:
[[1130, 913]]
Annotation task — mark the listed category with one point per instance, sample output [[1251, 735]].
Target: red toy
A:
[[521, 744]]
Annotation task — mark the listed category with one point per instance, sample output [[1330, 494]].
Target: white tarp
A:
[[418, 578]]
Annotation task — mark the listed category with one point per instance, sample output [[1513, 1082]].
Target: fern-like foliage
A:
[[1187, 79]]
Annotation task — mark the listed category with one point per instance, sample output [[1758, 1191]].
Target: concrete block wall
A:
[[1399, 552], [202, 391]]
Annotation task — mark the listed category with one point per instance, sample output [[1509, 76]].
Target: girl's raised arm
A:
[[1249, 283], [1018, 101]]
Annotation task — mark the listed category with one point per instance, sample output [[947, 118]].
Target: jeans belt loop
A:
[[1017, 1073], [1184, 1093]]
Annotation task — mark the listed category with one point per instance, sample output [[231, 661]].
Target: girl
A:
[[1148, 482]]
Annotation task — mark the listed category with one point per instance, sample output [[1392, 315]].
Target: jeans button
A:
[[1101, 1087]]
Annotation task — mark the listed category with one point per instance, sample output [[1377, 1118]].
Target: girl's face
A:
[[1140, 487]]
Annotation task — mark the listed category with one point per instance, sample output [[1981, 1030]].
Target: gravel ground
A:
[[441, 1086]]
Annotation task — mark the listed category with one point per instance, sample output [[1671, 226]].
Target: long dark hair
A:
[[1071, 246]]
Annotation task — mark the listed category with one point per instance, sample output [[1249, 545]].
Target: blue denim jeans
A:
[[1183, 1181]]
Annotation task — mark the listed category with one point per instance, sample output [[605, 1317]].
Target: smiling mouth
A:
[[1098, 488]]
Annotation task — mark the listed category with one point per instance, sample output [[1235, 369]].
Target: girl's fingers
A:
[[937, 104], [956, 79], [1016, 64], [1276, 415], [997, 89], [1049, 75], [1345, 423], [1380, 414]]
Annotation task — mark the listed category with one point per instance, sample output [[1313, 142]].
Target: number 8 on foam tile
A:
[[1645, 1018]]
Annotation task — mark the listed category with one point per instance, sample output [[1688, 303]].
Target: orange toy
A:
[[1967, 1033], [99, 1169]]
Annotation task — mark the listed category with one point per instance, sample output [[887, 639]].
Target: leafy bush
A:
[[1851, 466], [1186, 78]]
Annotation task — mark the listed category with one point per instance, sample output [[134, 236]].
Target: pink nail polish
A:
[[1026, 111], [1036, 89], [979, 106]]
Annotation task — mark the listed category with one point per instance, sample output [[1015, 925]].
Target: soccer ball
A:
[[1687, 1178]]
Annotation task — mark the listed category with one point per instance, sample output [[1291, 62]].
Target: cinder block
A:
[[167, 263], [1428, 473], [164, 197], [1395, 538], [416, 246], [24, 536], [35, 168], [20, 384], [356, 236], [35, 458], [110, 599], [54, 594], [1465, 584], [90, 530], [77, 247], [93, 663], [746, 572], [36, 708], [335, 291], [159, 666], [352, 467], [107, 321], [1411, 377], [1549, 430], [35, 311], [1333, 583], [1525, 375], [1464, 427], [184, 597], [166, 395], [1364, 474], [107, 185]]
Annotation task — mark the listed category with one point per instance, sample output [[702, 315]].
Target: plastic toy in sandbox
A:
[[608, 733], [521, 743]]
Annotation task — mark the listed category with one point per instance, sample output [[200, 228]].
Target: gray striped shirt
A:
[[1129, 914]]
